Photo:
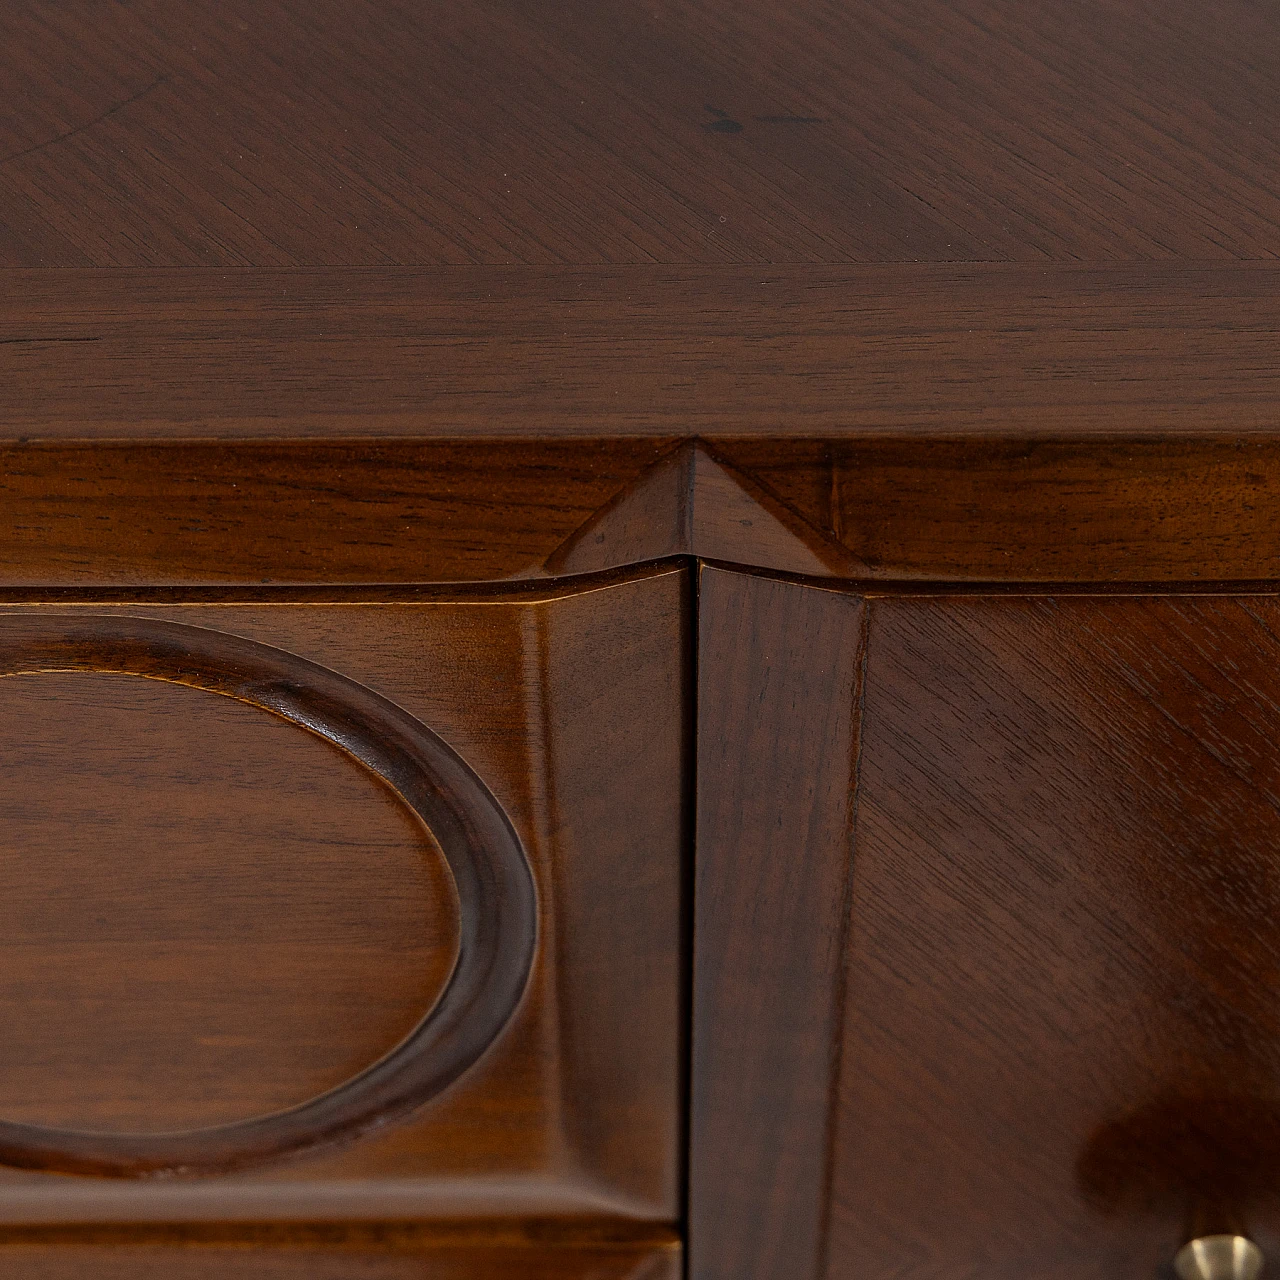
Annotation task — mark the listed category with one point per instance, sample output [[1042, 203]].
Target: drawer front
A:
[[1012, 1009], [345, 906]]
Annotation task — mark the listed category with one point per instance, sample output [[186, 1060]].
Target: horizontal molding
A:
[[396, 1234], [337, 515], [781, 352], [379, 1251]]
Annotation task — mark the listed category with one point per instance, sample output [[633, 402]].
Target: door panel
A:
[[249, 844], [1028, 957], [1062, 1044]]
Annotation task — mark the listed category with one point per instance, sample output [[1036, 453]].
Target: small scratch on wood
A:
[[10, 342], [98, 119]]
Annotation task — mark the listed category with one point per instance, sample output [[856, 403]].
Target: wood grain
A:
[[324, 513], [779, 672], [692, 503], [496, 906], [333, 512], [574, 1110], [510, 352], [271, 133], [966, 423], [304, 306], [376, 1251], [1060, 1043], [1167, 509], [1015, 1016], [190, 880], [139, 1262]]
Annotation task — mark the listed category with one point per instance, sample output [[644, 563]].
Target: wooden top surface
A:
[[599, 219], [380, 132]]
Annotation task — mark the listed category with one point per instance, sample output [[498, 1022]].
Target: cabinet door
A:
[[345, 907], [996, 951]]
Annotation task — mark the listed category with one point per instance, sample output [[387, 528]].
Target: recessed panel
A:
[[335, 816], [207, 913], [1061, 1037]]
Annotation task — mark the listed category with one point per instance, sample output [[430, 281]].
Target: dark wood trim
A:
[[783, 352], [691, 502], [522, 1250], [338, 513], [779, 692]]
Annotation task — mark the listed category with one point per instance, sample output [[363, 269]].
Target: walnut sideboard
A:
[[639, 641]]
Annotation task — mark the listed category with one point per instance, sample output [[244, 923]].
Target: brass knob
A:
[[1218, 1258]]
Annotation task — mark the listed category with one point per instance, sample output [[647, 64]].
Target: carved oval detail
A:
[[207, 912], [495, 894]]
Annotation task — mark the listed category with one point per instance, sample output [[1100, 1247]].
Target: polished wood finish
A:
[[779, 679], [388, 511], [225, 916], [787, 351], [264, 132], [381, 1251], [1177, 508], [495, 902], [1099, 1037], [1014, 1012], [323, 513], [573, 1105], [987, 423], [692, 503], [471, 378]]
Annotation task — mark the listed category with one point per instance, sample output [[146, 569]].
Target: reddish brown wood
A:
[[1042, 1007], [662, 351], [265, 132], [572, 1109], [692, 503], [492, 894], [330, 512], [180, 887], [1174, 510], [779, 672], [789, 379], [383, 1251], [357, 301]]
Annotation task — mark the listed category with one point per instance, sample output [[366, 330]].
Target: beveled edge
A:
[[496, 895]]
